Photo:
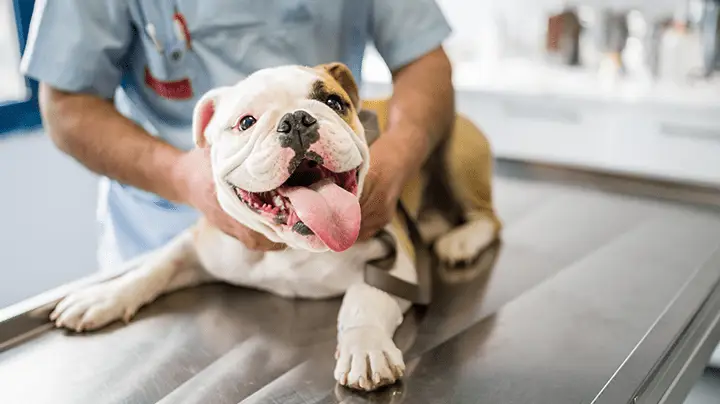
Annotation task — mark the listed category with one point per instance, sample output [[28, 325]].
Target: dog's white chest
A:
[[289, 273]]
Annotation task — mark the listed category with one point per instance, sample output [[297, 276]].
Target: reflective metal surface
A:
[[593, 296]]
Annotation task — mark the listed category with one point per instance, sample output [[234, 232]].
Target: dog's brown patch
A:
[[336, 79], [340, 75], [324, 89]]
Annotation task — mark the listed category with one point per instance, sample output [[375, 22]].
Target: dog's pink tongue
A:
[[331, 212]]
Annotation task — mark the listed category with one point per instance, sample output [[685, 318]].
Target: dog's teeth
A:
[[278, 201]]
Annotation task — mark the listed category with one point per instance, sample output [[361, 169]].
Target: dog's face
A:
[[289, 153]]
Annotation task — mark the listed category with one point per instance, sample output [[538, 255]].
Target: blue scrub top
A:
[[157, 57]]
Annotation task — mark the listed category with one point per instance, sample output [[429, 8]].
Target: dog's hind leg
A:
[[467, 161], [172, 267], [454, 187]]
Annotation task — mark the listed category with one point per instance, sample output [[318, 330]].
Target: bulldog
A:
[[289, 156]]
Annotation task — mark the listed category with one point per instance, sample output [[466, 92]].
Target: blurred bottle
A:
[[680, 50], [615, 32], [709, 27], [562, 40]]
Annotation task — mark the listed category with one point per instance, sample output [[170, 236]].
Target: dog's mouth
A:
[[312, 202]]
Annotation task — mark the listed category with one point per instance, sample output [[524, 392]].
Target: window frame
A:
[[19, 116]]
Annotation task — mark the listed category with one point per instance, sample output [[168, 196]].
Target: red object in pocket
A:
[[173, 90]]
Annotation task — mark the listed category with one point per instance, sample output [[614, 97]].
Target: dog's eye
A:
[[336, 103], [245, 122]]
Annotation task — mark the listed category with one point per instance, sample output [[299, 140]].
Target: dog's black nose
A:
[[298, 130], [297, 120]]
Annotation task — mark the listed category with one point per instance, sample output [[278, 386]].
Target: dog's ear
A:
[[342, 74], [203, 113]]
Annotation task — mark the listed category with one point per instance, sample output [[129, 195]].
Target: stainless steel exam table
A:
[[604, 290]]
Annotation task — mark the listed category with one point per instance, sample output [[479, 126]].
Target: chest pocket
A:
[[187, 47], [208, 43], [172, 74], [242, 35]]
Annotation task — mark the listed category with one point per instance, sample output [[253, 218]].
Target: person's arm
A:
[[92, 131], [421, 109], [77, 50], [408, 34]]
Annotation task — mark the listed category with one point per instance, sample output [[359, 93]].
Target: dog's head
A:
[[289, 153]]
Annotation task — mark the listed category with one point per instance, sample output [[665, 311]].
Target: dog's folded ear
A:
[[342, 74], [203, 113]]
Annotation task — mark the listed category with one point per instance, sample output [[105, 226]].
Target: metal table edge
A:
[[692, 355], [699, 302], [29, 317]]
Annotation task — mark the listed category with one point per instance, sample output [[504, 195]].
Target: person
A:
[[119, 80]]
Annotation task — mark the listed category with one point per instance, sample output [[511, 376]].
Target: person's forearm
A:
[[92, 131], [422, 107]]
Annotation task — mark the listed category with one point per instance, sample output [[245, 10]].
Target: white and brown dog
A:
[[289, 157]]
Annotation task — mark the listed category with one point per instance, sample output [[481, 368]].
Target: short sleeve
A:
[[78, 45], [404, 30]]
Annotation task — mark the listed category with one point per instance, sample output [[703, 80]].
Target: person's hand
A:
[[382, 188], [196, 187]]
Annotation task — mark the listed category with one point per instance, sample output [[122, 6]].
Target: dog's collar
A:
[[377, 272]]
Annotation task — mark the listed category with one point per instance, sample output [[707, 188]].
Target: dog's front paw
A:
[[96, 306], [367, 359], [462, 245]]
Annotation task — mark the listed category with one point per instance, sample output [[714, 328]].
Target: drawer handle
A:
[[539, 112], [674, 129]]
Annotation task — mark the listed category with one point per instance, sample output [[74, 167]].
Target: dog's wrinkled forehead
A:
[[285, 85]]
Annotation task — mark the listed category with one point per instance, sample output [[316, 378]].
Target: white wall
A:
[[47, 217]]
